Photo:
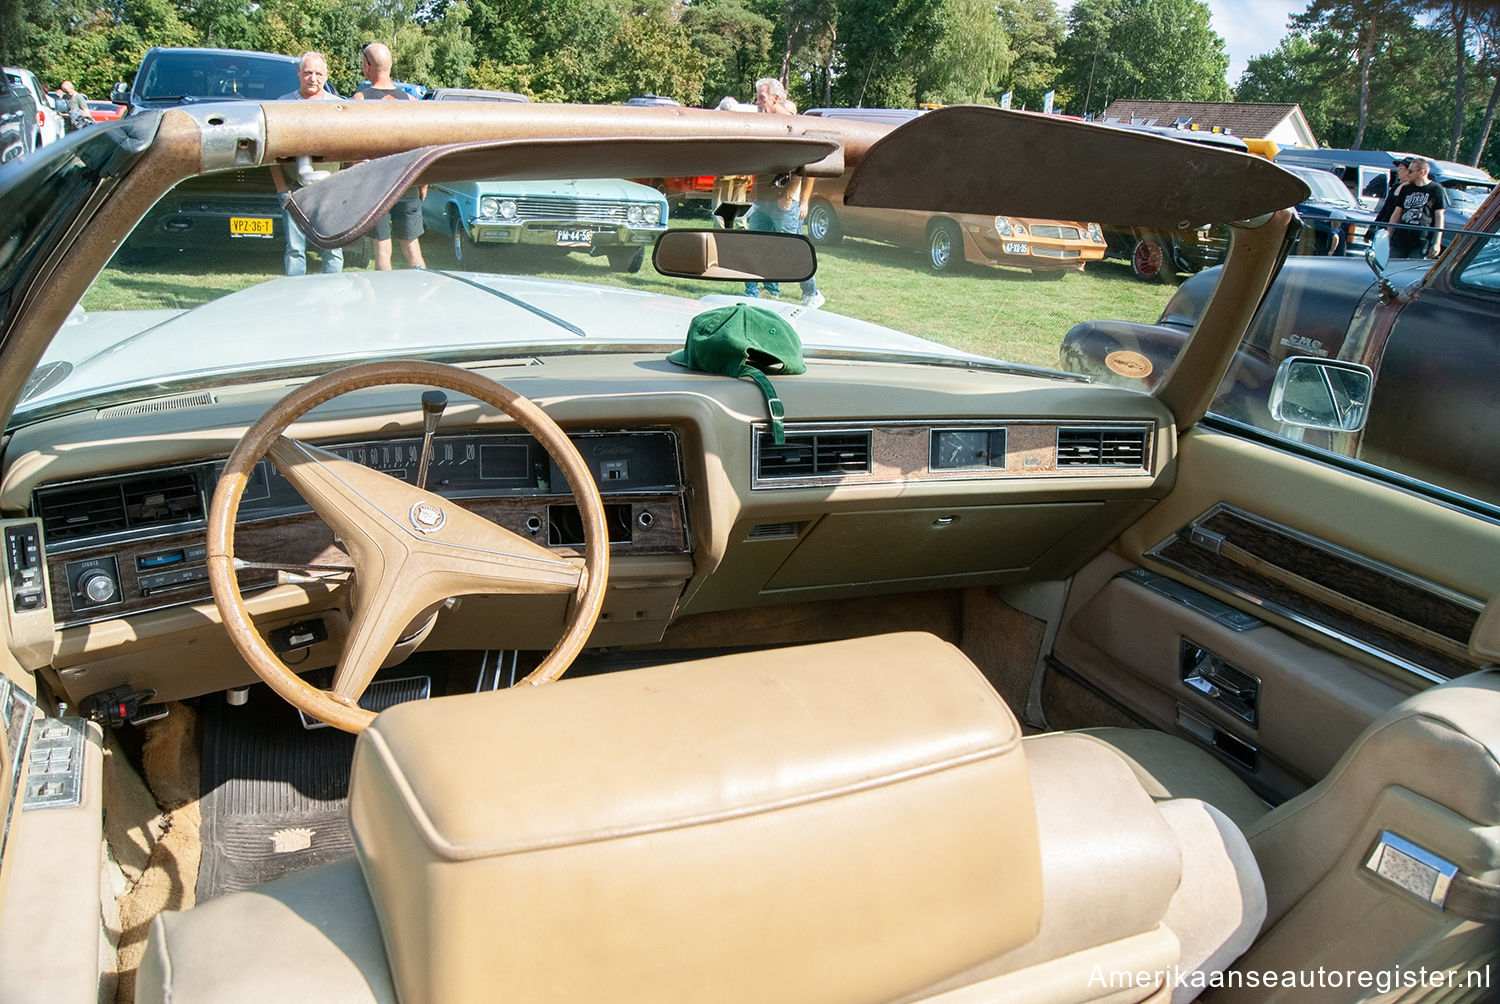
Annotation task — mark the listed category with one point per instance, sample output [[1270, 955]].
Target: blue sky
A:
[[1251, 27]]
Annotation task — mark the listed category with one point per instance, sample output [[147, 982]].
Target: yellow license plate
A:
[[252, 226]]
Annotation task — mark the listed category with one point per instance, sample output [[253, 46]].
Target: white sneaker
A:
[[814, 302]]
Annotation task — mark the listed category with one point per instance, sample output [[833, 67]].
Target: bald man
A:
[[405, 217], [312, 76]]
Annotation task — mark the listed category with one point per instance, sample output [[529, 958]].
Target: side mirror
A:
[[1378, 256], [1327, 394], [735, 255], [120, 94]]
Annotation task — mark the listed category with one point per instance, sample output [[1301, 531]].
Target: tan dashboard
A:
[[966, 477]]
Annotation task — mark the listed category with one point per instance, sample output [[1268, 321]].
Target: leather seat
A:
[[857, 820], [1427, 771]]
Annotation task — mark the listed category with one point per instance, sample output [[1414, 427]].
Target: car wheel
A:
[[1150, 259], [822, 224], [627, 260], [463, 246], [945, 246]]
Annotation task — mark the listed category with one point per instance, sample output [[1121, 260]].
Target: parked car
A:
[[171, 77], [1367, 173], [1334, 221], [802, 575], [51, 124], [234, 208], [599, 216], [610, 217], [17, 115], [1163, 253], [105, 111], [1433, 333], [1049, 248], [473, 94]]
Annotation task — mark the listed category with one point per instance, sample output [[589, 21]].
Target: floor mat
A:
[[274, 795]]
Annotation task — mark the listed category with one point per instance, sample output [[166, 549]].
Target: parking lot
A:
[[1005, 313]]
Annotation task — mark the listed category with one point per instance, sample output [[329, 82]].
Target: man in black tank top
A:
[[405, 217]]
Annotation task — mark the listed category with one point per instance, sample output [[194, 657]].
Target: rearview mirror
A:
[[735, 255], [1326, 394]]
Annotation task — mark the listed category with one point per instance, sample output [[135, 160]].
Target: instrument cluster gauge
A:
[[963, 449]]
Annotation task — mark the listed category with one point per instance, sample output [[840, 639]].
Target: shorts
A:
[[405, 218]]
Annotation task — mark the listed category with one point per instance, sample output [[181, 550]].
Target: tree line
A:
[[1421, 75]]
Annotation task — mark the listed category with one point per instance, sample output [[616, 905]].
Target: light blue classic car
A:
[[608, 216]]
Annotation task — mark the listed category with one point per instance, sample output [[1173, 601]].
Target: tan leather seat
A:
[[1427, 772], [851, 821]]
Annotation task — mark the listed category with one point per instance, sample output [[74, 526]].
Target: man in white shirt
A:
[[312, 75]]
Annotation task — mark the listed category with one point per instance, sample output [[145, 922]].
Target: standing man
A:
[[780, 210], [78, 113], [312, 74], [405, 217], [1419, 203]]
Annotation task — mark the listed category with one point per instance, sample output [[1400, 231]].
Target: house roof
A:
[[1245, 119]]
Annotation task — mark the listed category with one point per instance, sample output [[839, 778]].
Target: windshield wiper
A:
[[516, 301]]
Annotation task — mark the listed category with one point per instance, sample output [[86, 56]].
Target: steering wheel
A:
[[411, 549]]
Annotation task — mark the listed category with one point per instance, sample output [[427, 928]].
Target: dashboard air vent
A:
[[1101, 447], [160, 404], [168, 498], [81, 512], [814, 454], [127, 504], [774, 531]]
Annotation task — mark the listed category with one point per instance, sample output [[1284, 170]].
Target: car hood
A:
[[317, 321]]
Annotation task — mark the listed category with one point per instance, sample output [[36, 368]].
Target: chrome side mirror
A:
[[1327, 394], [1378, 255]]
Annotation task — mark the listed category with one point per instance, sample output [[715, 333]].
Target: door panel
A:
[[1371, 601]]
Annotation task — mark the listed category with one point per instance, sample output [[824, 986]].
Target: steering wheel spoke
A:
[[411, 549]]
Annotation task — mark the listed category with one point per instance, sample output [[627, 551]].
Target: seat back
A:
[[849, 822], [1393, 859]]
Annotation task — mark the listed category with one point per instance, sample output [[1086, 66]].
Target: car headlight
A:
[[507, 209], [1009, 228], [1096, 234], [489, 207], [635, 214], [653, 214]]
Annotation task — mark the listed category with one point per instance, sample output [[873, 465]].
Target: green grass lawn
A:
[[1005, 313]]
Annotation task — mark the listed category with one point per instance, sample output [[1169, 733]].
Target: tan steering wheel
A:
[[411, 549]]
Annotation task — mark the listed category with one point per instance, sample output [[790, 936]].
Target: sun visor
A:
[[1050, 167], [341, 208]]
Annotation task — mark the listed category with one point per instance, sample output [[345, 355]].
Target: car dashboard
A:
[[966, 476]]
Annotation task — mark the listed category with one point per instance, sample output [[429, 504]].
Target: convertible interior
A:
[[533, 673]]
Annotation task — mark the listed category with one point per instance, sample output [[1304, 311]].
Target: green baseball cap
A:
[[743, 340]]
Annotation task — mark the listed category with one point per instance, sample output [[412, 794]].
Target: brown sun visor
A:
[[341, 208], [1047, 166]]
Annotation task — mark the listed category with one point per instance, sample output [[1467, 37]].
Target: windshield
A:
[[1326, 187], [178, 74], [214, 286], [1467, 195], [218, 286]]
